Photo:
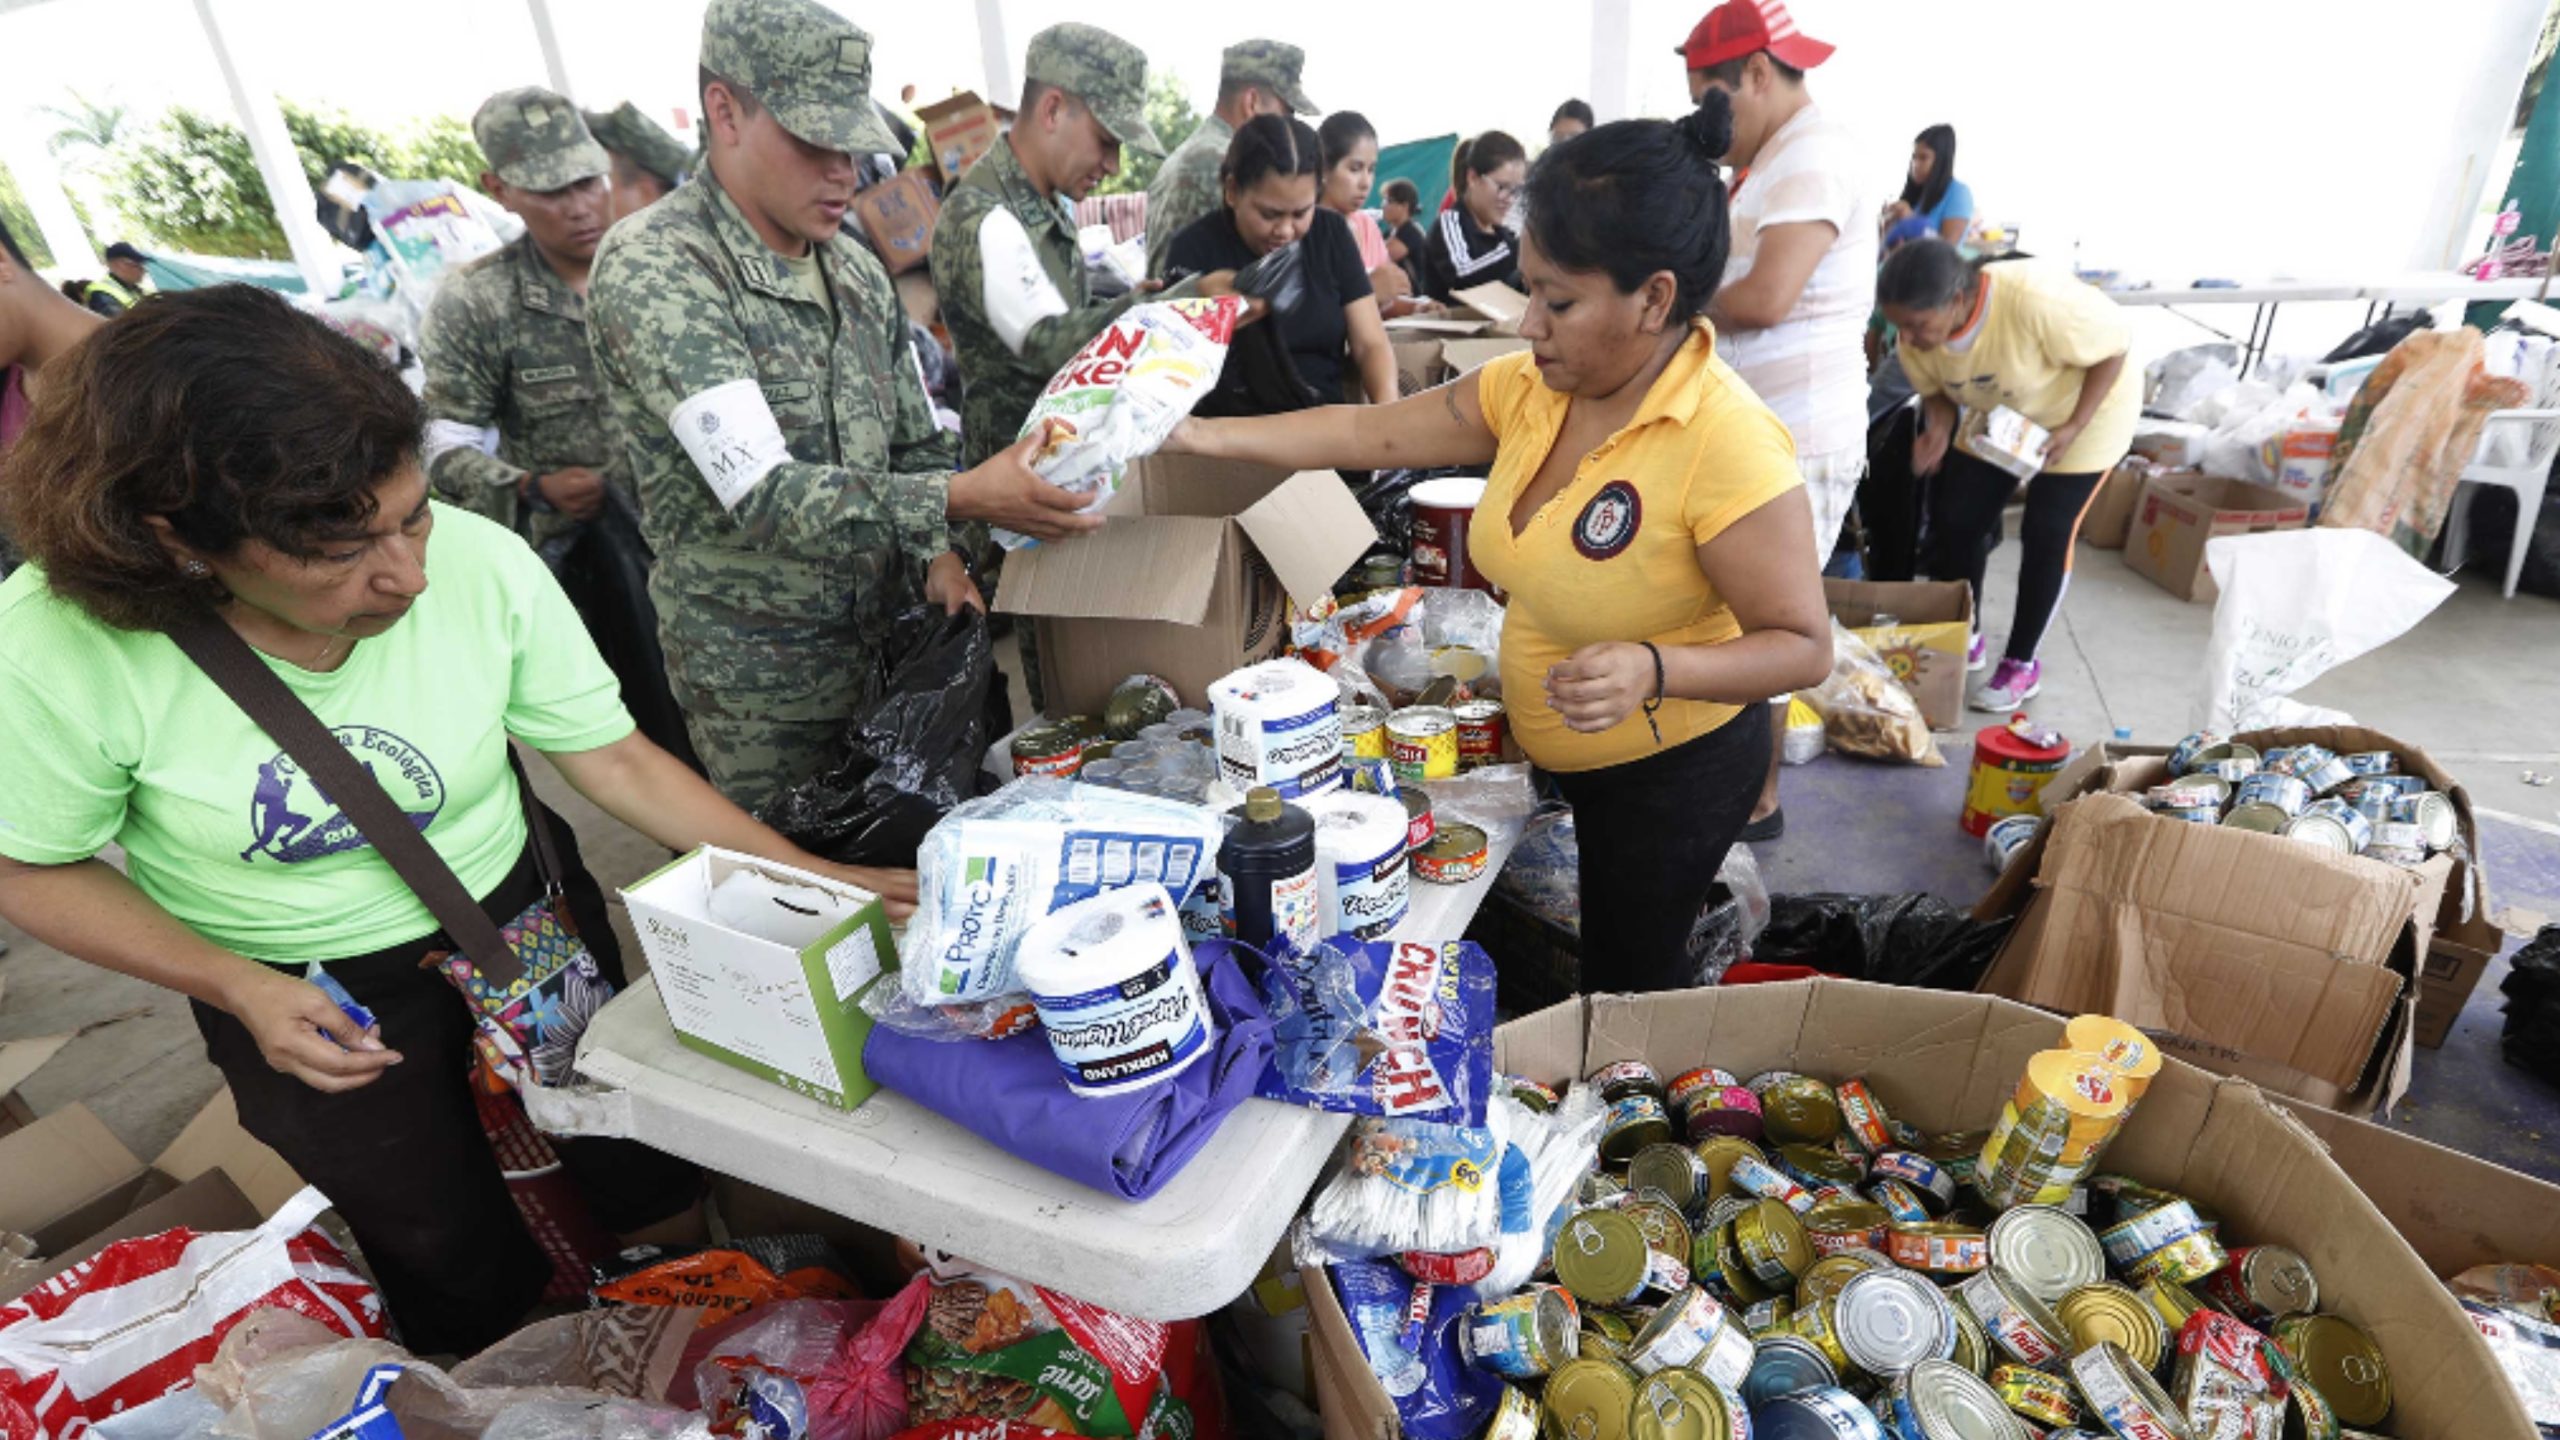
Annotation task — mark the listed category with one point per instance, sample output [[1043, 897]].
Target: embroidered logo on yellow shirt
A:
[[1608, 523]]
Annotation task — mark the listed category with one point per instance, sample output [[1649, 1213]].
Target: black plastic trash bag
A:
[[910, 756], [1913, 940], [605, 571], [2531, 1037], [1279, 278]]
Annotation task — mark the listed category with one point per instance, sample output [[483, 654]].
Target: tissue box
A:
[[793, 1017]]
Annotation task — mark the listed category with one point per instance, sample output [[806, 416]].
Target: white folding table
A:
[[2265, 298]]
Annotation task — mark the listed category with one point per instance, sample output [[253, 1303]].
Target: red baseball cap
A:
[[1738, 27]]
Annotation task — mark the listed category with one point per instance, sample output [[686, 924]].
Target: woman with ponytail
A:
[[1934, 201], [1472, 242], [1644, 512]]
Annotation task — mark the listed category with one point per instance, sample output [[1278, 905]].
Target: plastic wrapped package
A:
[[1724, 933], [1865, 710], [725, 1279], [1437, 1395], [1389, 1028], [992, 1347], [2179, 382], [997, 864], [1497, 799], [1559, 1149], [1544, 874], [1414, 1185], [632, 1350], [812, 1369], [1803, 743]]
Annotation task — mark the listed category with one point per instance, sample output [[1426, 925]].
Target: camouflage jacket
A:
[[511, 388], [1015, 294], [781, 557], [1186, 188]]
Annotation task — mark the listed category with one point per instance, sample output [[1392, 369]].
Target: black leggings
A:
[[1965, 500], [1651, 834], [403, 1158]]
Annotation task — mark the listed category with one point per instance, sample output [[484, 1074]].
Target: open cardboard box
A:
[[1925, 646], [1945, 1062], [1189, 581], [73, 1188], [2247, 954], [897, 216], [958, 131], [2181, 510], [2110, 517], [18, 1060]]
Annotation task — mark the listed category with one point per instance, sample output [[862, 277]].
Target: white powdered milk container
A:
[[1361, 875], [1116, 989], [1279, 724]]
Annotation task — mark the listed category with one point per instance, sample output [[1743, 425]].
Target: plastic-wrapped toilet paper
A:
[[1116, 989], [1362, 880]]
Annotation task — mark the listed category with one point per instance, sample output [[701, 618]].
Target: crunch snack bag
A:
[[1124, 392]]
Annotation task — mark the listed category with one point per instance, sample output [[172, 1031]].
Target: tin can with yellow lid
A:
[[1588, 1399], [1672, 1173], [1771, 1241], [1685, 1405], [2342, 1363], [1825, 1276], [1863, 1117], [1800, 1110], [2110, 1313], [2263, 1283], [1817, 1324], [1851, 1225], [2185, 1260], [1666, 1231], [1720, 1152]]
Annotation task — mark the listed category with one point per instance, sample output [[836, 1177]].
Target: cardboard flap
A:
[[59, 1163], [1151, 568], [1465, 355], [1309, 531], [214, 1143], [1434, 325], [1857, 603], [22, 1058], [1496, 302]]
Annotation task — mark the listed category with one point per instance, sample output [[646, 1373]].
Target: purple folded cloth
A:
[[1012, 1093]]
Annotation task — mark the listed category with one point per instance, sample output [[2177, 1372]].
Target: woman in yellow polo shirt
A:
[[1643, 510], [2045, 344]]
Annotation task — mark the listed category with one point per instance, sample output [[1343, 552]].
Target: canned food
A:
[[1729, 1110], [1621, 1078], [1954, 1152], [1678, 1333], [2132, 1239], [1767, 1318], [2171, 1301], [1523, 1336], [1685, 1405], [2185, 1260], [1799, 1110], [2107, 1312], [1862, 1116], [1448, 1267], [1786, 1365], [1589, 1400], [1419, 826], [2433, 814], [1672, 1173], [2308, 1414], [1720, 1151], [1456, 854], [2262, 1283], [1940, 1400], [1973, 1343], [1921, 1174], [2007, 836], [1599, 1190], [1135, 704], [1839, 1227], [1609, 1325], [2125, 1049], [2372, 762], [1758, 1177], [2125, 1397], [1052, 750], [1481, 728], [2186, 753], [1818, 1325], [1635, 1121], [1728, 1357], [1770, 1240], [1515, 1416], [2396, 834], [1938, 1248], [2261, 819], [2358, 828], [1664, 1228], [1538, 1097], [2205, 814], [2342, 1363], [1601, 1256], [1422, 743], [1376, 572], [1829, 1413], [1824, 1278], [1745, 1287], [2040, 1397], [1902, 1204], [2230, 769], [1889, 1320], [1815, 1166], [2201, 788], [2018, 1323], [2323, 772], [2045, 1252], [1683, 1089], [2270, 787]]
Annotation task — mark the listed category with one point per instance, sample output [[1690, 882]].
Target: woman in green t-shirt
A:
[[219, 449]]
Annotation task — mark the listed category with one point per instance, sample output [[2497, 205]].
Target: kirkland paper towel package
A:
[[1279, 724], [996, 865], [1362, 881], [1399, 1029], [1117, 993]]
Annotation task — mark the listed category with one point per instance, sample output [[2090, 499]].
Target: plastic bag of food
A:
[[1865, 711], [1415, 1186], [729, 1280], [812, 1370], [1390, 1028], [1437, 1395], [993, 1347], [1124, 392]]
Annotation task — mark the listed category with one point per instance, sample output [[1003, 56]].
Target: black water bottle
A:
[[1267, 870]]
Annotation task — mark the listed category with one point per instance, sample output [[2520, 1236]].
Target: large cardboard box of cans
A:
[[1189, 581], [2249, 954], [1945, 1063]]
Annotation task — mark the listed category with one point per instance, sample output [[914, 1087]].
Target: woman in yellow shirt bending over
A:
[[1645, 513]]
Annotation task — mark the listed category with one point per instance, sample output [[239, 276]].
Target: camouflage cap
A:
[[807, 64], [537, 141], [646, 143], [1104, 71], [1272, 65]]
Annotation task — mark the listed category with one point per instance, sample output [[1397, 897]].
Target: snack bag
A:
[[992, 1347], [1397, 1029], [1865, 711], [1124, 392]]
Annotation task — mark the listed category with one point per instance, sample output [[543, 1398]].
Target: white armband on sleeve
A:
[[732, 436], [1019, 293], [448, 435]]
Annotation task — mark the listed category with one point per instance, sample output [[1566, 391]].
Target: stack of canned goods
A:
[[2355, 804], [1173, 758], [1779, 1257]]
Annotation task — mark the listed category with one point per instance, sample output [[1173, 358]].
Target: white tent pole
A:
[[1612, 46], [22, 146], [314, 253], [997, 53], [549, 40]]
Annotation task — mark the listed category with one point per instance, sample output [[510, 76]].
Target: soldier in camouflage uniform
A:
[[791, 476], [1006, 261], [647, 161], [515, 430], [1258, 77]]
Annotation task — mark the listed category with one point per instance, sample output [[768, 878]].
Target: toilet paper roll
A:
[[1279, 724], [1361, 876], [1116, 989]]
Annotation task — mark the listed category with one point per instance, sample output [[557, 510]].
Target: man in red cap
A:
[[1791, 316]]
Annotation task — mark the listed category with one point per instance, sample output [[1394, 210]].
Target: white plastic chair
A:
[[2541, 447]]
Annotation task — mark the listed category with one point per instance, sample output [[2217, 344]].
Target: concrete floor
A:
[[2474, 684]]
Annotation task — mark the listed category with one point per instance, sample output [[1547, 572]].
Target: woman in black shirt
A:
[[1272, 171], [1471, 245]]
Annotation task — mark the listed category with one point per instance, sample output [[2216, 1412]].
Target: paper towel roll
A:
[[1116, 990], [1361, 876], [1279, 724]]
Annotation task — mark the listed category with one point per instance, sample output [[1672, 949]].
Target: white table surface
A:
[[2402, 289], [1194, 1246]]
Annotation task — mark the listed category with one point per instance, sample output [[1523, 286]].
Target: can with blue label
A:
[[2358, 828], [2269, 787], [2372, 762]]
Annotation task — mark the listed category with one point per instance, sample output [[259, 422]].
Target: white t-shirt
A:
[[1811, 367]]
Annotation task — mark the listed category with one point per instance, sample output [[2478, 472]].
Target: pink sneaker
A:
[[1976, 655], [2013, 683]]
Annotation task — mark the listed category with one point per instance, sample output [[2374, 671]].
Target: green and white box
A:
[[793, 1017]]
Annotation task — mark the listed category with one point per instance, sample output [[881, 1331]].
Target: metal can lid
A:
[[1890, 1320], [1455, 841], [1588, 1399], [1673, 1172], [2279, 1281], [2109, 1313], [1477, 710], [2324, 831], [1973, 1343], [2257, 816], [1800, 1109], [1821, 1163], [1601, 1257], [2343, 1364], [2109, 1381], [1953, 1403], [1422, 720], [1665, 1229], [1782, 1233], [2048, 1252], [1681, 1405], [1846, 1217], [1787, 1365], [1719, 1152]]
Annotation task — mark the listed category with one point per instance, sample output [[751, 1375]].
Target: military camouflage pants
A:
[[756, 762]]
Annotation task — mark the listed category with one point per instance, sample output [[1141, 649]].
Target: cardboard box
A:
[[1189, 581], [71, 1187], [1498, 303], [2110, 516], [2179, 512], [2455, 1210], [18, 1060], [1465, 355], [2247, 954], [1926, 644], [897, 214], [793, 1017], [1418, 363], [958, 131], [2445, 982], [1945, 1062]]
